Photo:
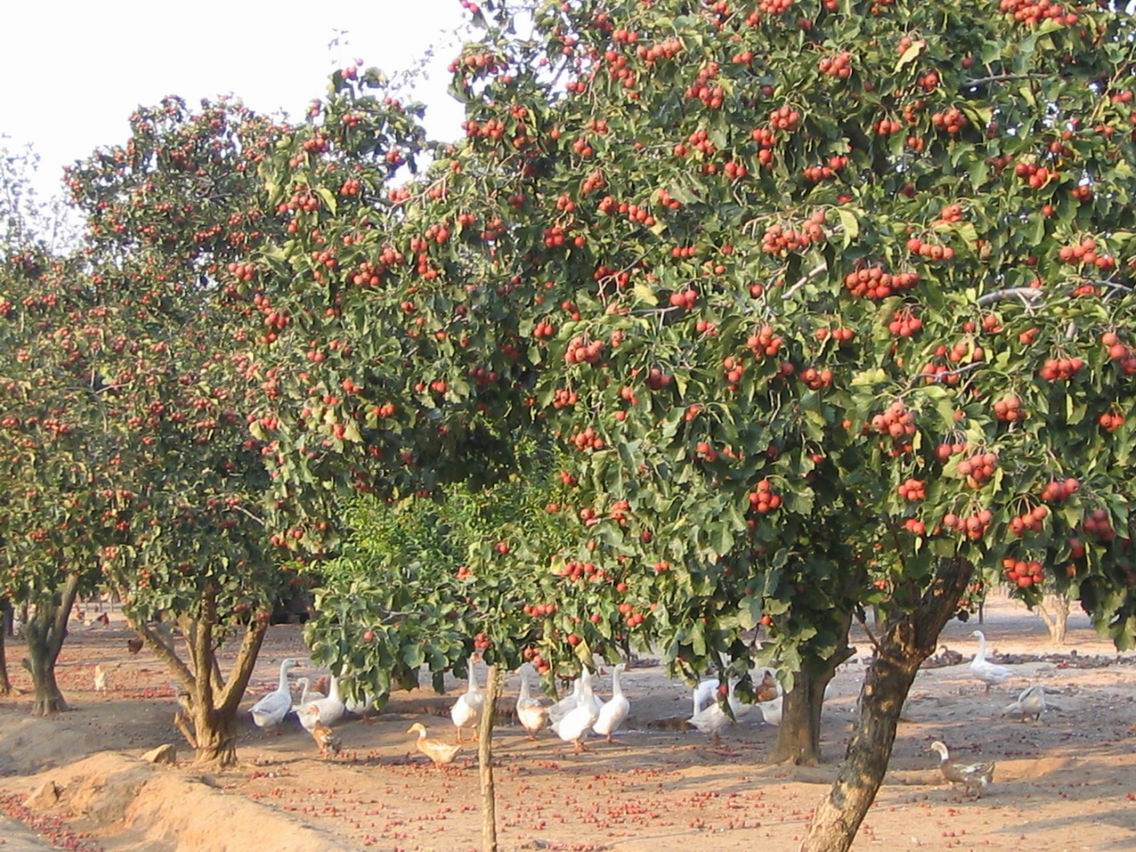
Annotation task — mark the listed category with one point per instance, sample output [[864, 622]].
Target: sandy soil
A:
[[1068, 782]]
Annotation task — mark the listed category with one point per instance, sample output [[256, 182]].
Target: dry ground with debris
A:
[[1068, 782]]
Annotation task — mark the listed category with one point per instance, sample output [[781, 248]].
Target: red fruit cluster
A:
[[543, 329], [704, 90], [1085, 253], [778, 239], [733, 368], [1058, 491], [581, 352], [666, 49], [706, 327], [1034, 175], [699, 140], [978, 469], [684, 299], [1119, 352], [1098, 524], [242, 271], [872, 282], [661, 567], [887, 126], [1029, 522], [915, 526], [481, 642], [950, 120], [1024, 574], [933, 373], [839, 334], [766, 139], [929, 81], [1034, 12], [905, 323], [576, 571], [912, 490], [972, 526], [1061, 369], [815, 174], [657, 379], [839, 65], [896, 422], [735, 170], [785, 118], [705, 450], [764, 343], [564, 398], [763, 500], [1110, 421], [532, 655], [1009, 410], [816, 379], [774, 7], [587, 439], [951, 213], [930, 251]]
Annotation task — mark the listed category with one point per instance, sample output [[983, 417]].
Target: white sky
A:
[[71, 72]]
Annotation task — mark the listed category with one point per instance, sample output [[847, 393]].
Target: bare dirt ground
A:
[[1066, 783]]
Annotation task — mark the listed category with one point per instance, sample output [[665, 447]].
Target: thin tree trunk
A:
[[909, 640], [1054, 611], [45, 634], [5, 626], [485, 765], [798, 735]]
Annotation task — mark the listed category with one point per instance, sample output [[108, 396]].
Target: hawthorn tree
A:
[[801, 285], [167, 213]]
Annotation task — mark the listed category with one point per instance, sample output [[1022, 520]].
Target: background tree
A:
[[167, 213]]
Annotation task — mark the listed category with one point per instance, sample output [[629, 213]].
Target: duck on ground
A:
[[989, 673], [440, 753], [271, 710], [531, 712], [331, 709], [613, 712], [467, 709], [972, 779], [307, 695], [574, 726], [712, 719], [1031, 702], [325, 738]]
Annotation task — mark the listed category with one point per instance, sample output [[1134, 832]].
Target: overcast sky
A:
[[71, 72]]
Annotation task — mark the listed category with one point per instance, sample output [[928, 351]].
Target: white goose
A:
[[613, 713], [771, 710], [566, 704], [712, 719], [586, 677], [306, 695], [467, 708], [331, 709], [531, 713], [574, 726], [989, 673], [271, 710]]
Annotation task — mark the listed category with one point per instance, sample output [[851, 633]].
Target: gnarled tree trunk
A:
[[485, 765], [909, 640], [209, 702], [45, 632], [798, 736], [5, 627]]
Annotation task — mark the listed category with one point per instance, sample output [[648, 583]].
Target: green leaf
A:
[[849, 224]]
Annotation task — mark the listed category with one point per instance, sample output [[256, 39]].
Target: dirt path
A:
[[14, 837], [1066, 783]]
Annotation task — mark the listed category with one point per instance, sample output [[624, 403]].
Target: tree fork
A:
[[909, 640]]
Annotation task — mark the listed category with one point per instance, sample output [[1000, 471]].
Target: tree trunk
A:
[[215, 737], [798, 736], [1054, 611], [5, 626], [909, 640], [45, 634], [485, 765]]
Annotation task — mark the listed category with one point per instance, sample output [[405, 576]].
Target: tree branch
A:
[[165, 653], [1026, 294], [62, 614], [203, 647], [241, 671], [811, 275]]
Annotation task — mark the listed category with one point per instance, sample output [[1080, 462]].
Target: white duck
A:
[[771, 710], [989, 673], [566, 704], [306, 695], [331, 709], [531, 713], [586, 677], [574, 726], [712, 719], [271, 710], [1031, 702], [467, 708], [973, 778], [613, 713]]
